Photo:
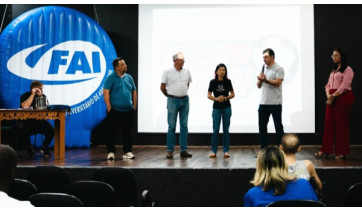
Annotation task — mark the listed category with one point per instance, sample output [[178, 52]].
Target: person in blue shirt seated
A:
[[273, 183]]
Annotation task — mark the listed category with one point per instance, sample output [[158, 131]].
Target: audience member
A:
[[290, 145], [273, 183], [8, 162]]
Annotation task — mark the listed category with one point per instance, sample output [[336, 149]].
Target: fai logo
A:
[[69, 53], [68, 66]]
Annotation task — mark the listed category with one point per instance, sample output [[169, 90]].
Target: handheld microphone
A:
[[262, 70]]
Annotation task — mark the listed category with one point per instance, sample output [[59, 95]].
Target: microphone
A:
[[262, 70]]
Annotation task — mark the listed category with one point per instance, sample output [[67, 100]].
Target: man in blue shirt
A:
[[120, 96]]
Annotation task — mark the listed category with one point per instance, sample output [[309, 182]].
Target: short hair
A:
[[290, 143], [8, 160], [35, 84], [269, 51], [271, 170], [115, 62]]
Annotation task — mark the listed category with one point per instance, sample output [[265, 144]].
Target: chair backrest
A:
[[319, 193], [296, 203], [55, 200], [147, 200], [122, 181], [49, 178], [93, 193], [354, 196], [21, 189]]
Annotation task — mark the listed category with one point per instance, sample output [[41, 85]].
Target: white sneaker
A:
[[110, 156], [129, 155]]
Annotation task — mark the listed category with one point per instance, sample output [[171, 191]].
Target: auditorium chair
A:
[[122, 181], [319, 193], [55, 200], [21, 189], [354, 196], [147, 200], [93, 193], [296, 203], [49, 178]]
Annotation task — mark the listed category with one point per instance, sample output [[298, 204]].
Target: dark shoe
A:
[[30, 154], [339, 157], [169, 154], [321, 154], [185, 154], [45, 152]]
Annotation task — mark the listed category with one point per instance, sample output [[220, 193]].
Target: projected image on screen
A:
[[235, 35]]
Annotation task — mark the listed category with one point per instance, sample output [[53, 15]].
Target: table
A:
[[59, 124]]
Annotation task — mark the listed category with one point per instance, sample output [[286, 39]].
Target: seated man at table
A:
[[33, 126]]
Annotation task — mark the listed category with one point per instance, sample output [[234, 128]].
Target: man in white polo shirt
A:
[[174, 85], [270, 81]]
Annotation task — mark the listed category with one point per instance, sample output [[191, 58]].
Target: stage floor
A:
[[154, 157]]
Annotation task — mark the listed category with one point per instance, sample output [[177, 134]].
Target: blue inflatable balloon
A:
[[69, 53]]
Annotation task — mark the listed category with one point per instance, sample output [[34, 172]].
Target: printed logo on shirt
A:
[[220, 88]]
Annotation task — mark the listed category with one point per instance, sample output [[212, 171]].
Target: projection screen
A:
[[234, 35]]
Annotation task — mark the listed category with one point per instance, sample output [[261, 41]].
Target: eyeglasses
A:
[[334, 56]]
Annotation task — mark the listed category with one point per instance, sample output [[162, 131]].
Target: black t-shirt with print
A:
[[221, 88]]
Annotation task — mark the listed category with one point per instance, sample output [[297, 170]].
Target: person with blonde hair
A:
[[290, 145], [273, 183]]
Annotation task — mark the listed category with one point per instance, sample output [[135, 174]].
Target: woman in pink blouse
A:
[[338, 109]]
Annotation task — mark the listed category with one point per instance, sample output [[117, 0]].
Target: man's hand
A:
[[261, 77], [36, 91]]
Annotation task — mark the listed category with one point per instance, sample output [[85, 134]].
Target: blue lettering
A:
[[79, 63], [96, 62], [57, 60]]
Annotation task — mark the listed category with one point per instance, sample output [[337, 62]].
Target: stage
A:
[[200, 180]]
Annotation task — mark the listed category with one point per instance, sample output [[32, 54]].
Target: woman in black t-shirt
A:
[[223, 91]]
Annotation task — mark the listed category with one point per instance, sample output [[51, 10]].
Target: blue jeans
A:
[[217, 114], [264, 114], [177, 106]]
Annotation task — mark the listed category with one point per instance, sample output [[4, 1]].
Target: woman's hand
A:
[[220, 98], [330, 99]]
